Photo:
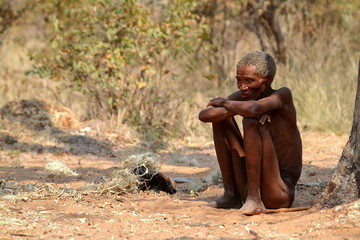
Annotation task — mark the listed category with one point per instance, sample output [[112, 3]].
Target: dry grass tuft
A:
[[56, 167], [61, 117], [124, 180]]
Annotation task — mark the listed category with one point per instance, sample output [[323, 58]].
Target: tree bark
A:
[[344, 186]]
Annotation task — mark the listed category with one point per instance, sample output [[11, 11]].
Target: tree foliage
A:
[[120, 51]]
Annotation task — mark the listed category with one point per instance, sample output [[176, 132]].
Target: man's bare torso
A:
[[286, 139]]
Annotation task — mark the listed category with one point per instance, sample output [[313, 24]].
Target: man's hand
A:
[[264, 118], [217, 102]]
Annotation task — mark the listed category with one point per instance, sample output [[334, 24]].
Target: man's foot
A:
[[226, 202], [252, 207]]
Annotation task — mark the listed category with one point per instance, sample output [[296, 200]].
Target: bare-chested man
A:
[[261, 168]]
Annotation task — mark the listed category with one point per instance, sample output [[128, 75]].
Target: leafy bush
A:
[[120, 53]]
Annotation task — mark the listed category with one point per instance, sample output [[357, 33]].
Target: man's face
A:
[[249, 82]]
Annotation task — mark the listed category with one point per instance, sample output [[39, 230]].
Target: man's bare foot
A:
[[252, 207], [226, 202]]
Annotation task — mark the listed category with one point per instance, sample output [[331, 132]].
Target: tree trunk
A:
[[344, 186], [266, 25]]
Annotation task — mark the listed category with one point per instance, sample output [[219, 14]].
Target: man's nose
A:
[[243, 87]]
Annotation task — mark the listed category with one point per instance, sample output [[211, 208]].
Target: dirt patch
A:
[[37, 205]]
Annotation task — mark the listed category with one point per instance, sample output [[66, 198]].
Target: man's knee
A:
[[222, 124], [250, 123]]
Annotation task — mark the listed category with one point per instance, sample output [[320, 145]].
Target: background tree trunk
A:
[[344, 186]]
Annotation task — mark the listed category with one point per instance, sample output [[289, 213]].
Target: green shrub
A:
[[120, 52]]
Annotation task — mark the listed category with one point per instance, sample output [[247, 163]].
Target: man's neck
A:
[[268, 91]]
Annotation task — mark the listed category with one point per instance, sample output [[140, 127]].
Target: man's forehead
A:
[[245, 69]]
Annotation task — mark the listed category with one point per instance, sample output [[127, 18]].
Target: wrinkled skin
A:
[[261, 168]]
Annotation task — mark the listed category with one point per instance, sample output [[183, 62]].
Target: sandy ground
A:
[[34, 205]]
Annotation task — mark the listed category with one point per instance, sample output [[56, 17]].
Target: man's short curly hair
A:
[[264, 63]]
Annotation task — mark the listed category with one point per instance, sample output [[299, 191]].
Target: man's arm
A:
[[255, 108], [218, 113], [215, 114]]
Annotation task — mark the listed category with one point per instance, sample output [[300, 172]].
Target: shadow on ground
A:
[[34, 116]]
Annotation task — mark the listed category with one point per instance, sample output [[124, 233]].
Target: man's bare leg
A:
[[265, 186], [254, 152], [274, 192], [225, 136], [236, 145]]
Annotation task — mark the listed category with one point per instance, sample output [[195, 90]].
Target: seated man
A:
[[261, 168]]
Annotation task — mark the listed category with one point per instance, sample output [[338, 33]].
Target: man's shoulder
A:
[[283, 92], [285, 97]]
